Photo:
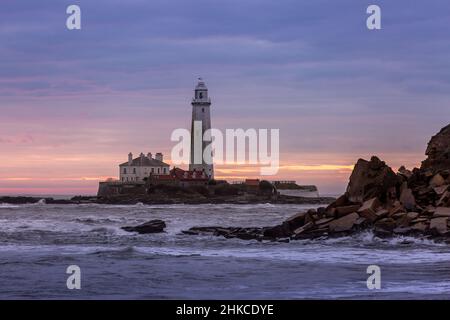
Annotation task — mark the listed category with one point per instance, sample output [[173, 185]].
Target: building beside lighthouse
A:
[[201, 161], [140, 168]]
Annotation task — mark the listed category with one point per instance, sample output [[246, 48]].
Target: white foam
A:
[[8, 206]]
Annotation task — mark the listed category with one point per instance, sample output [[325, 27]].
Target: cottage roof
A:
[[145, 162]]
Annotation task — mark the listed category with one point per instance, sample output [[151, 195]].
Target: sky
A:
[[73, 103]]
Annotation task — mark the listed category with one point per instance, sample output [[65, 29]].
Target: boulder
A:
[[406, 219], [343, 211], [439, 225], [342, 201], [246, 235], [387, 224], [369, 208], [438, 152], [398, 215], [444, 200], [441, 212], [396, 208], [153, 226], [302, 229], [441, 190], [296, 220], [371, 179], [339, 202], [420, 226], [361, 222], [402, 230], [344, 224], [280, 231], [407, 199], [252, 233], [418, 220], [412, 215], [405, 172], [437, 181], [323, 222], [381, 213]]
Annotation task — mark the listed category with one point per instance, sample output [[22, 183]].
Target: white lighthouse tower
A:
[[201, 122]]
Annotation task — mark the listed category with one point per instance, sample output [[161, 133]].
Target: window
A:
[[165, 170], [124, 170], [134, 170], [203, 109], [200, 95], [123, 179], [153, 170], [158, 170]]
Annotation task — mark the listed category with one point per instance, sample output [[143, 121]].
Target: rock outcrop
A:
[[153, 226], [371, 179], [413, 202], [438, 152]]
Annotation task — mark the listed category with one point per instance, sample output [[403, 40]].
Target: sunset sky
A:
[[74, 103]]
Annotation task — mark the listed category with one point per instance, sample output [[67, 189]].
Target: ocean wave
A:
[[365, 238], [95, 220], [108, 250], [8, 206], [41, 202]]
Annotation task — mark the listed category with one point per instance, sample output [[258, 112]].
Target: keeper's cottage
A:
[[137, 169]]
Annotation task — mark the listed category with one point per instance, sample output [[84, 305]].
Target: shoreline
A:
[[169, 201]]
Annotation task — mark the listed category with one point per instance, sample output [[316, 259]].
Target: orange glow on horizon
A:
[[39, 172]]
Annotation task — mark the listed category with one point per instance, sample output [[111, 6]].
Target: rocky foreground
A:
[[415, 203]]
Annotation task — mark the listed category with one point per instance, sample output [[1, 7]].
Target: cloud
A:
[[309, 68]]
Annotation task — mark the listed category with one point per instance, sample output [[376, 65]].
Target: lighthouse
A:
[[200, 160]]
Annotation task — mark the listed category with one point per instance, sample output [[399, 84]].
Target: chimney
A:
[[149, 155], [130, 158], [159, 156]]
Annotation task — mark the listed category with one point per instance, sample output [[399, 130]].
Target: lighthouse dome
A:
[[201, 85]]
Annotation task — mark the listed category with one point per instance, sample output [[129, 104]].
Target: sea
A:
[[40, 243]]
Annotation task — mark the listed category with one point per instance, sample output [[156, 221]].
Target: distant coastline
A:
[[127, 200]]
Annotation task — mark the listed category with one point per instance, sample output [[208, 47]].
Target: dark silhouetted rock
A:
[[439, 225], [444, 200], [344, 224], [153, 226], [407, 199], [441, 212], [296, 221], [386, 224], [438, 152], [371, 179], [405, 172], [304, 228], [279, 231], [343, 211], [369, 208]]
